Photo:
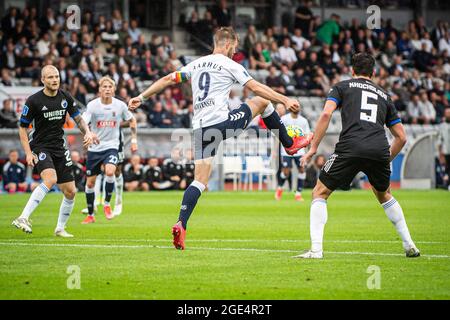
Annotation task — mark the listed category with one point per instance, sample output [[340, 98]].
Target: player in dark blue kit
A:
[[363, 146], [46, 147]]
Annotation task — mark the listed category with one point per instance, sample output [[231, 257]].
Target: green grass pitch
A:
[[239, 246]]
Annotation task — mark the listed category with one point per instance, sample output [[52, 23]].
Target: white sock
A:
[[268, 110], [119, 189], [64, 212], [395, 213], [98, 188], [318, 218], [36, 197]]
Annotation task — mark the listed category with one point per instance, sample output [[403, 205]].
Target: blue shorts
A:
[[208, 139], [96, 159], [286, 162]]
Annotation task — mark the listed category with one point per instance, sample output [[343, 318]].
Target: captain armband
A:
[[179, 77]]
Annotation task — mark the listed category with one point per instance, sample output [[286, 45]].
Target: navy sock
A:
[[274, 123], [300, 184], [190, 198], [109, 188], [90, 198]]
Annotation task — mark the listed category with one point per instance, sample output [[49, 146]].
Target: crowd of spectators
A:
[[102, 46], [412, 63]]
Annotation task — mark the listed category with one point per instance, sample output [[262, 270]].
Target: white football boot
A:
[[63, 233], [117, 209], [310, 255], [22, 224]]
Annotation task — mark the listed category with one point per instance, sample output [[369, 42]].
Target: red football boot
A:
[[278, 193], [179, 234], [299, 143], [88, 219], [108, 212]]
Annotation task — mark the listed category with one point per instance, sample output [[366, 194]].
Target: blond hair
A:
[[224, 34], [107, 79]]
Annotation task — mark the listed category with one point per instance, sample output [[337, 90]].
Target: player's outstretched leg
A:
[[318, 219], [65, 209], [190, 198], [273, 122], [48, 180], [394, 212]]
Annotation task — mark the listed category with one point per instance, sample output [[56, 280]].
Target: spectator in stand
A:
[[426, 109], [134, 31], [444, 43], [173, 170], [257, 58], [148, 70], [158, 117], [329, 29], [250, 40], [8, 118], [6, 78], [304, 18], [287, 54], [299, 41], [78, 171], [153, 176], [287, 81], [221, 14], [133, 174], [14, 174], [274, 80], [301, 81], [413, 109]]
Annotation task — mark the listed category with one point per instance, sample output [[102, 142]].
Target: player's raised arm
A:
[[156, 87], [320, 130], [266, 92]]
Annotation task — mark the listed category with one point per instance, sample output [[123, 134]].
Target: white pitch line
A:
[[232, 240], [77, 245]]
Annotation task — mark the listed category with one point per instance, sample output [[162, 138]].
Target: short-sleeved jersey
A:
[[365, 109], [211, 78], [300, 121], [47, 116], [105, 122]]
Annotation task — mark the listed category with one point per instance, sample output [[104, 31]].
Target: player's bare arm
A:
[[155, 88], [133, 129], [267, 93], [30, 157], [321, 128], [88, 137], [398, 131]]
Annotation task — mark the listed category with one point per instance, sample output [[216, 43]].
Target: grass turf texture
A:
[[239, 246]]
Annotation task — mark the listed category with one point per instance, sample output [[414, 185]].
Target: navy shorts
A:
[[59, 160], [208, 139], [286, 162], [339, 172], [96, 159]]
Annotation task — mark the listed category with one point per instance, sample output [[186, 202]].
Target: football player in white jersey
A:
[[292, 119], [105, 114], [212, 77]]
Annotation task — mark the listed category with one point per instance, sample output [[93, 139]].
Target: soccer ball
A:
[[294, 131]]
